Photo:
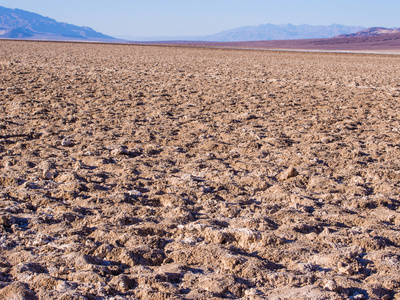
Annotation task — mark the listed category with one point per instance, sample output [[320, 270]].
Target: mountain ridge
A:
[[21, 24], [261, 33], [268, 32], [372, 31]]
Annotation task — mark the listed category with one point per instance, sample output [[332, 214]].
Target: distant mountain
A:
[[264, 32], [21, 24], [373, 31], [269, 32]]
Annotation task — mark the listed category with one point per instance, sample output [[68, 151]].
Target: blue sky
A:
[[186, 17]]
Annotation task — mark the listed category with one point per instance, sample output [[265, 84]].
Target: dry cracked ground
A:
[[144, 172]]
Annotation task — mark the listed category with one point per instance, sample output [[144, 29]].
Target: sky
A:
[[192, 18]]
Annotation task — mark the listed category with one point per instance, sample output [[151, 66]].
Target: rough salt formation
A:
[[133, 172]]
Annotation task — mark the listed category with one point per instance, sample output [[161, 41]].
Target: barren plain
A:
[[383, 43], [144, 172]]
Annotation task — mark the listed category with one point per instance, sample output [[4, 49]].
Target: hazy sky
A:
[[201, 17]]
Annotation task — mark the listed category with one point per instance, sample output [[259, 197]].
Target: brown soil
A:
[[134, 172]]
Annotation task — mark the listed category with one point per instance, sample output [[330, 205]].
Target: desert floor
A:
[[144, 172]]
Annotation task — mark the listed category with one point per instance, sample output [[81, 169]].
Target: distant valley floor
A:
[[389, 43]]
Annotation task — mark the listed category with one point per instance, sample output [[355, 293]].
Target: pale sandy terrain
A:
[[134, 172]]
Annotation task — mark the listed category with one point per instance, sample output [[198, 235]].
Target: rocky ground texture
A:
[[144, 172]]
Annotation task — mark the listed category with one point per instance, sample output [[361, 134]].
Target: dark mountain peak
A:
[[21, 24]]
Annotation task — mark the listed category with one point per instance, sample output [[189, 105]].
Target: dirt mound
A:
[[131, 172]]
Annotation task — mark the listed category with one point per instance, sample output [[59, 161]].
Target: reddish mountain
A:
[[373, 31]]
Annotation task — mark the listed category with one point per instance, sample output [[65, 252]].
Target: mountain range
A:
[[268, 32], [21, 24], [265, 32]]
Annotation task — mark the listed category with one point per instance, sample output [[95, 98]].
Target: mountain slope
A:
[[281, 32], [373, 31], [21, 24]]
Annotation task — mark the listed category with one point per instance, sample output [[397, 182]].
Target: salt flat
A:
[[144, 172]]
